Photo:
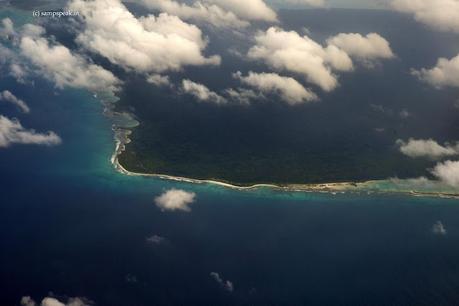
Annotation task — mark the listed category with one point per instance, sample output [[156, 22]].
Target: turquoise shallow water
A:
[[70, 225]]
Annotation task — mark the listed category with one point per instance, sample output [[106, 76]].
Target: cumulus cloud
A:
[[445, 73], [227, 285], [243, 95], [220, 13], [7, 96], [440, 14], [289, 89], [7, 29], [289, 51], [10, 59], [201, 92], [159, 80], [6, 55], [248, 9], [51, 301], [447, 172], [148, 44], [12, 132], [198, 11], [18, 72], [438, 228], [366, 48], [175, 199], [60, 65], [427, 148], [27, 301]]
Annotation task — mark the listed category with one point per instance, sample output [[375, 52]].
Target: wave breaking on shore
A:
[[123, 123]]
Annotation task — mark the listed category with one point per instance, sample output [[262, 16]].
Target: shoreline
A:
[[331, 188], [121, 137]]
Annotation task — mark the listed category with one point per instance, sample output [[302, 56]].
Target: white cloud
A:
[[440, 14], [220, 13], [445, 73], [439, 229], [248, 9], [12, 132], [289, 51], [18, 72], [227, 285], [27, 301], [50, 301], [32, 30], [243, 95], [198, 11], [7, 29], [169, 26], [290, 90], [446, 175], [201, 92], [155, 239], [7, 96], [13, 63], [447, 172], [366, 48], [148, 44], [6, 55], [63, 67], [427, 148], [175, 199], [159, 80]]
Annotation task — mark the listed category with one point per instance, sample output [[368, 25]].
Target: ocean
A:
[[71, 225]]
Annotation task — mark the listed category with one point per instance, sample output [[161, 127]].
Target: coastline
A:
[[326, 187], [123, 123], [332, 188], [121, 135]]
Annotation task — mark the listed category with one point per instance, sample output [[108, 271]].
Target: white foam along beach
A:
[[123, 128]]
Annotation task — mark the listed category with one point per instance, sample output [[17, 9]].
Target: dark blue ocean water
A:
[[71, 225]]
